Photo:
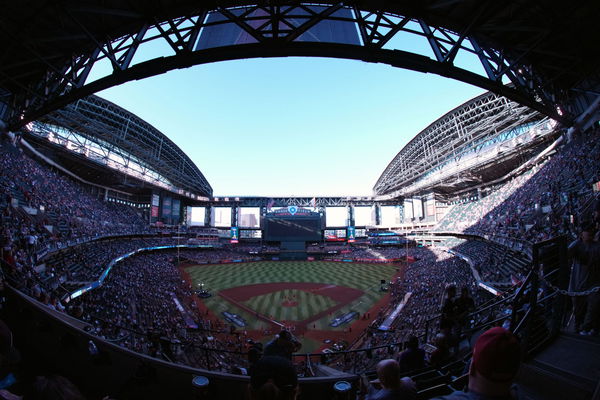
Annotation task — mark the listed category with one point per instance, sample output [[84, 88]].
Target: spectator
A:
[[53, 387], [4, 134], [283, 345], [585, 254], [273, 378], [441, 354], [448, 320], [494, 365], [413, 357], [538, 204], [464, 305], [389, 385], [254, 354]]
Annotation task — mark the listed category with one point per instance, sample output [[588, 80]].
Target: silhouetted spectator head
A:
[[441, 352], [388, 372], [587, 232], [284, 345], [390, 379], [255, 353], [53, 387], [273, 378], [413, 357], [413, 342], [285, 335], [450, 291]]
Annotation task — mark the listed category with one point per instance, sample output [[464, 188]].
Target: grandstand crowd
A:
[[546, 201], [57, 201], [145, 305], [426, 281]]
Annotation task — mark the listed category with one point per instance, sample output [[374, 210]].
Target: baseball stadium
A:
[[469, 267]]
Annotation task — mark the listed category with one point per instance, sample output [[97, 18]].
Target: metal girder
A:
[[274, 30], [466, 128], [306, 202], [121, 133]]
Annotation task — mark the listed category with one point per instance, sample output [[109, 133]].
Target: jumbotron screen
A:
[[292, 229], [336, 216], [221, 216], [390, 216], [249, 217], [195, 216], [363, 216]]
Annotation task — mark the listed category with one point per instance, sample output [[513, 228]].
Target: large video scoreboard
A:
[[292, 224]]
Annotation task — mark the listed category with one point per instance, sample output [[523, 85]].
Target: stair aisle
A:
[[567, 369]]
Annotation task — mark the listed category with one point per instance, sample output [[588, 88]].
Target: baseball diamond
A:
[[305, 295], [304, 305]]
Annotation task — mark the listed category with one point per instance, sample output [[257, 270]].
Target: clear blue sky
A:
[[291, 126]]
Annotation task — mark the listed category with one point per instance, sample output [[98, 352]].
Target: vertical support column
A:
[[350, 210], [401, 210], [234, 215], [207, 215]]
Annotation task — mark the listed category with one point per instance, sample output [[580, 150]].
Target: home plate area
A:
[[290, 304], [293, 302]]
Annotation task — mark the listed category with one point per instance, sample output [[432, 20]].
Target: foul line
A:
[[251, 311]]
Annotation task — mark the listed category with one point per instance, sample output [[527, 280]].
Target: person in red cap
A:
[[494, 365]]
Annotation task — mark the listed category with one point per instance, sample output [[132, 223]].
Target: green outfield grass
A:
[[365, 277]]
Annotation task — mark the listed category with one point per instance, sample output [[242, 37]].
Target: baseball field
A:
[[316, 299]]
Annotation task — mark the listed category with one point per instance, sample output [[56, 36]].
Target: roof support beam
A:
[[270, 26]]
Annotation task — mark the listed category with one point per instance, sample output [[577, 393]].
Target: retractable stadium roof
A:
[[470, 127], [546, 49], [131, 138]]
